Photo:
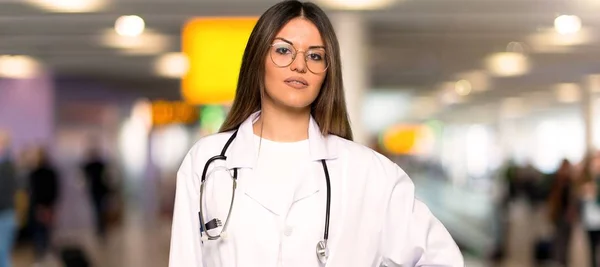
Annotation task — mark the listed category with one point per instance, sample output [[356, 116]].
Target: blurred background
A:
[[490, 106]]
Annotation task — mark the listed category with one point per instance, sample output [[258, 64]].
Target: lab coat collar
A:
[[242, 152]]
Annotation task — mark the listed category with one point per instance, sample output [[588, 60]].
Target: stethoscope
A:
[[322, 250]]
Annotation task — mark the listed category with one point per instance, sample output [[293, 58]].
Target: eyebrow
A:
[[290, 42]]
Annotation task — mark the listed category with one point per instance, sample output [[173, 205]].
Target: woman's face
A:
[[295, 85]]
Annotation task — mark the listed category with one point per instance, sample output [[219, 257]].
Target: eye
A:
[[315, 56], [282, 49]]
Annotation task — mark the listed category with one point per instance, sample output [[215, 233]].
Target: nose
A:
[[299, 64]]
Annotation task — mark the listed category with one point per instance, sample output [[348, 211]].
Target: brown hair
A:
[[329, 108]]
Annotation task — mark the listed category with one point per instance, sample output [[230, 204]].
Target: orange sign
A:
[[164, 112]]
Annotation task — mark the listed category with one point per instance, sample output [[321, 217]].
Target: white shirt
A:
[[284, 166], [375, 219]]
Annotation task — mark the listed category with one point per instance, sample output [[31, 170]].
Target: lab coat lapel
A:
[[242, 154], [312, 182], [242, 151], [321, 148]]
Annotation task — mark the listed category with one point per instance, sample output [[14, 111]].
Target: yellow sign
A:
[[407, 139], [215, 47], [164, 112]]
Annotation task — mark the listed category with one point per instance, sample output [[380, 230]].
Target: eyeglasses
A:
[[283, 54]]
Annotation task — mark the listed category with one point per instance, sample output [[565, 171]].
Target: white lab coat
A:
[[375, 218]]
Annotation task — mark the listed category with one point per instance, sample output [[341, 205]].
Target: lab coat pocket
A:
[[217, 253]]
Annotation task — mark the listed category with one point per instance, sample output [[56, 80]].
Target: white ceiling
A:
[[413, 44]]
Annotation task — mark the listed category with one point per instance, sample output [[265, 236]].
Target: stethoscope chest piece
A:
[[322, 251]]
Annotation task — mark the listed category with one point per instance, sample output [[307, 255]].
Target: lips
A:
[[296, 82]]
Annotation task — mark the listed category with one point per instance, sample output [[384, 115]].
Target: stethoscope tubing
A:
[[223, 157]]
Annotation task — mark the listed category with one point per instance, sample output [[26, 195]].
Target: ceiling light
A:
[[18, 67], [69, 6], [507, 64], [172, 65], [567, 24], [567, 92], [549, 40], [447, 95], [463, 87], [357, 4], [478, 79], [148, 43], [130, 26]]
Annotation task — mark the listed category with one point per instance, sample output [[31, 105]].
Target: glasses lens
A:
[[316, 60], [282, 54]]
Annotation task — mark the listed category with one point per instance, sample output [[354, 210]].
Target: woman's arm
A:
[[185, 236], [412, 236]]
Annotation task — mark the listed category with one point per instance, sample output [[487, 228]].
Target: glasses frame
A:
[[295, 54]]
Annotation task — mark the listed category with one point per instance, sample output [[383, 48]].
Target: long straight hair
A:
[[329, 108]]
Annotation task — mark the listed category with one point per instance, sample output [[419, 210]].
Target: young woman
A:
[[283, 184]]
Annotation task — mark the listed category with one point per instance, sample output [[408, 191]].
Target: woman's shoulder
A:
[[356, 150], [366, 156]]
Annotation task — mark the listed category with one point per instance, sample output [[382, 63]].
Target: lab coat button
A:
[[288, 230]]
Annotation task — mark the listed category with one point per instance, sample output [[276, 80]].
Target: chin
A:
[[294, 101], [296, 104]]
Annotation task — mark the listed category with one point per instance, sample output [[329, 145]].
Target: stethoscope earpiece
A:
[[204, 238]]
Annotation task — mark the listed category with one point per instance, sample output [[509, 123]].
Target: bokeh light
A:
[[130, 26]]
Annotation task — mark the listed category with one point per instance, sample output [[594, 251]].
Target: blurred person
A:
[[563, 205], [8, 189], [96, 171], [287, 143], [591, 204], [44, 192], [506, 194], [532, 185], [25, 163]]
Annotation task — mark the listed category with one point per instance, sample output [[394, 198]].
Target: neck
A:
[[282, 125]]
